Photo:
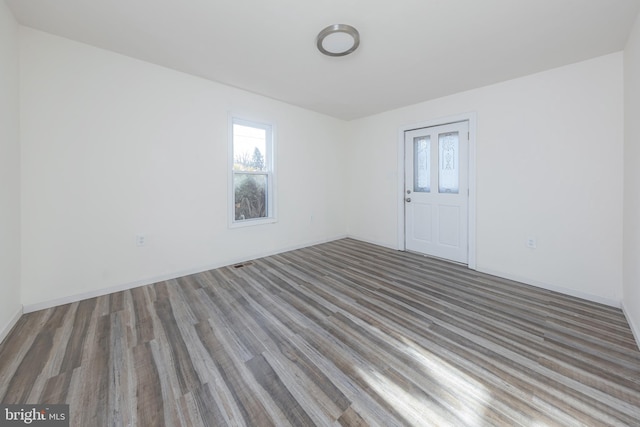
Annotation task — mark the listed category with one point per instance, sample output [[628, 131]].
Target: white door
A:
[[436, 191]]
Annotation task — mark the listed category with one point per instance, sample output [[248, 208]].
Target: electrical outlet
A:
[[531, 242], [141, 240]]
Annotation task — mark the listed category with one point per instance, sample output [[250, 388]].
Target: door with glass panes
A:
[[436, 191]]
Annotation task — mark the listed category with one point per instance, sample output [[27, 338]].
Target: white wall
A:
[[631, 298], [114, 146], [10, 307], [549, 165]]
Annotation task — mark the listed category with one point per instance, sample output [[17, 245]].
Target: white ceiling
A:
[[410, 51]]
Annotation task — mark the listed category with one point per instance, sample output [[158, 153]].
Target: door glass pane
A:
[[421, 161], [448, 170], [250, 191]]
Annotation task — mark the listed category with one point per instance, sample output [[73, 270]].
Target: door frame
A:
[[471, 214]]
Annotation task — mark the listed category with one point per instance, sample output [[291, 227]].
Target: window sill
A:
[[252, 222]]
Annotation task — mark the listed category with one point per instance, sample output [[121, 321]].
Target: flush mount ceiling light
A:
[[338, 40]]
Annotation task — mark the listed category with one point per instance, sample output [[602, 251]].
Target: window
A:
[[448, 173], [251, 173], [422, 161]]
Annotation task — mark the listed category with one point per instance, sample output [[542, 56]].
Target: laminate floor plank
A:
[[16, 346], [149, 400], [250, 409], [339, 334]]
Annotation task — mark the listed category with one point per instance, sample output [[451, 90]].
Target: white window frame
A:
[[270, 173]]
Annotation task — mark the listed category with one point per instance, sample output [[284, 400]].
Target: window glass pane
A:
[[448, 174], [249, 148], [250, 196], [421, 162]]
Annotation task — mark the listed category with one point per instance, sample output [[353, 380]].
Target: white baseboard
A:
[[559, 289], [562, 290], [635, 328], [373, 242], [29, 308], [12, 322]]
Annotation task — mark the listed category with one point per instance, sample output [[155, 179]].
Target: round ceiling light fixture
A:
[[338, 40]]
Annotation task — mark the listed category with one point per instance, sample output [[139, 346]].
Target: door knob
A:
[[408, 199]]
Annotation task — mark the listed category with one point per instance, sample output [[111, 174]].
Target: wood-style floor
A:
[[343, 333]]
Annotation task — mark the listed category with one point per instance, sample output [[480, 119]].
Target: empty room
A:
[[288, 213]]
